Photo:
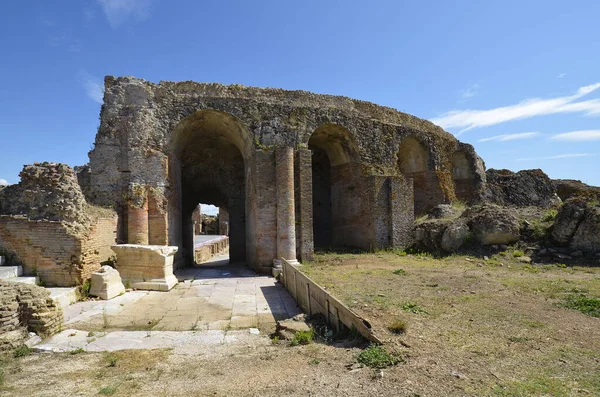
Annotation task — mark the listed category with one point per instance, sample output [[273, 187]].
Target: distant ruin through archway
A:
[[208, 166]]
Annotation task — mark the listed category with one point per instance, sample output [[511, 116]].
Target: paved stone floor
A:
[[214, 296]]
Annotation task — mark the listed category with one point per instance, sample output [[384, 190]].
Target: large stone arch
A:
[[209, 151]]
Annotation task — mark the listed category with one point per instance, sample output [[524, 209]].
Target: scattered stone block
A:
[[147, 267], [106, 283], [524, 259]]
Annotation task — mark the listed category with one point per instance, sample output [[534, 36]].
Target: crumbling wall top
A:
[[46, 191]]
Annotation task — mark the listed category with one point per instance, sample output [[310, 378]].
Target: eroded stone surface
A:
[[106, 283]]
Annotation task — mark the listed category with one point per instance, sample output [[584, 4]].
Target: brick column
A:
[[286, 219], [137, 224], [304, 201]]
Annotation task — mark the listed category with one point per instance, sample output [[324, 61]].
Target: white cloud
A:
[[119, 11], [559, 156], [210, 209], [511, 137], [560, 76], [469, 92], [469, 119], [584, 135], [3, 182], [94, 88]]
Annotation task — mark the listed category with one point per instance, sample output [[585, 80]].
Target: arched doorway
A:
[[335, 171], [463, 176], [414, 163], [209, 151]]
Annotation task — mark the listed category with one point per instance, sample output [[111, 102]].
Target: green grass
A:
[[85, 289], [413, 308], [111, 359], [22, 351], [518, 254], [400, 272], [586, 305], [550, 215], [375, 356], [108, 390], [76, 351], [303, 338]]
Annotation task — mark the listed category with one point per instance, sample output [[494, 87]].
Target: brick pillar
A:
[[286, 219], [158, 224], [137, 224], [303, 199]]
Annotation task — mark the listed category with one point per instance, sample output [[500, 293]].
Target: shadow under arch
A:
[[336, 174], [208, 156]]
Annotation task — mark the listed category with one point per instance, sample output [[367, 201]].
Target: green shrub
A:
[[85, 288], [111, 359], [400, 272], [517, 253], [550, 215], [77, 351], [375, 356], [303, 338]]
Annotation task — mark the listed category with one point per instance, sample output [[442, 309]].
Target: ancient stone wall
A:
[[26, 308], [147, 129], [46, 221]]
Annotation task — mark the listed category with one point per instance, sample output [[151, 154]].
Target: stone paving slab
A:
[[207, 298], [71, 339]]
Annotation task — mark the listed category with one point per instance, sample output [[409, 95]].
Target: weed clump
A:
[[303, 338], [413, 308], [375, 356], [22, 351], [397, 326], [400, 272], [586, 305]]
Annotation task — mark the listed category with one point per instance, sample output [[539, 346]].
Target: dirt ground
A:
[[474, 327]]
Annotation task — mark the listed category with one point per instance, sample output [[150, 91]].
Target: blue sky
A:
[[517, 79]]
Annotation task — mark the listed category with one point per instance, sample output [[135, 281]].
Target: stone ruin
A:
[[293, 170]]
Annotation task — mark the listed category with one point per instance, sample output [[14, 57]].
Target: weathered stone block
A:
[[106, 283], [147, 267]]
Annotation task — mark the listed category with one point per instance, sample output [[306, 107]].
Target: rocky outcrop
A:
[[578, 225], [567, 221], [523, 188], [454, 237], [491, 224], [568, 188]]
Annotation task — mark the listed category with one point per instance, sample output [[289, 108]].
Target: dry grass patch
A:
[[484, 327]]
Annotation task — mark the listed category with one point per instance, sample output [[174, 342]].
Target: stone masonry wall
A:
[[46, 221], [50, 250], [26, 308]]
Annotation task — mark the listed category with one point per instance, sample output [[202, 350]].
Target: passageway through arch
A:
[[208, 150]]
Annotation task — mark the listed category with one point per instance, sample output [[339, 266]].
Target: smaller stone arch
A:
[[336, 179], [463, 176], [414, 162]]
